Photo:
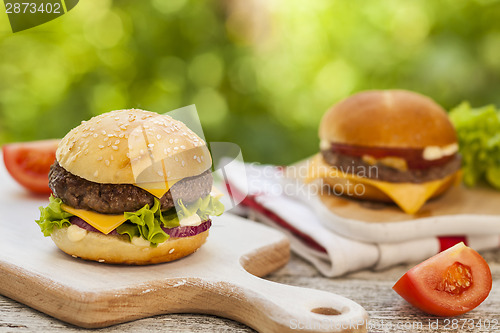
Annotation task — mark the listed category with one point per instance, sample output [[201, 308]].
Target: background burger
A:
[[130, 187], [399, 145]]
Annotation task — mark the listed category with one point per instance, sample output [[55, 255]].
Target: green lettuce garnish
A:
[[145, 223], [478, 131], [53, 216]]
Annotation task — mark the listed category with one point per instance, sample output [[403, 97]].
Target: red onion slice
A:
[[173, 232], [188, 231]]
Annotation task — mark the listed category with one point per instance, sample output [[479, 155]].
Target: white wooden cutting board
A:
[[216, 280]]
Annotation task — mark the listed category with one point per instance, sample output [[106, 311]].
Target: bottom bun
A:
[[119, 250]]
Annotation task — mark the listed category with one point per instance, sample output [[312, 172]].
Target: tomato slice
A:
[[29, 163], [450, 283]]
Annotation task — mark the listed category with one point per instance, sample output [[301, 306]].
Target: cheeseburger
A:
[[130, 187], [391, 146]]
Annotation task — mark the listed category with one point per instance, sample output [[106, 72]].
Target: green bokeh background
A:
[[261, 73]]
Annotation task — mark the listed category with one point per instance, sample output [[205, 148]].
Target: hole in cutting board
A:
[[326, 311]]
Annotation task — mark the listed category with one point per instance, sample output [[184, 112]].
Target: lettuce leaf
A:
[[204, 207], [53, 216], [478, 131], [146, 222]]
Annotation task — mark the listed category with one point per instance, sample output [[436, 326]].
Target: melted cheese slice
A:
[[410, 197], [158, 189], [105, 223]]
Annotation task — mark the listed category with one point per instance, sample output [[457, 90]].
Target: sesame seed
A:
[[169, 149], [101, 146], [96, 173], [171, 251], [121, 135], [101, 260], [183, 147], [114, 147], [128, 155], [176, 159], [117, 142], [158, 136], [176, 140], [103, 132], [194, 157], [106, 162], [86, 151], [111, 157], [171, 141], [123, 127], [184, 133], [141, 151], [160, 173], [183, 163], [95, 135], [151, 145], [110, 135], [106, 139], [99, 158], [117, 118], [176, 148], [199, 160]]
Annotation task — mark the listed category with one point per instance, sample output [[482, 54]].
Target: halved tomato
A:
[[450, 283], [29, 163]]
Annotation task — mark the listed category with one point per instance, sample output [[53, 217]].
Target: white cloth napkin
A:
[[332, 254]]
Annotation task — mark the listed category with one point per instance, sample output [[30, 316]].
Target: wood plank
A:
[[369, 288]]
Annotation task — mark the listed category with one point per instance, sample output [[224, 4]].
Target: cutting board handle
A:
[[268, 306], [272, 307]]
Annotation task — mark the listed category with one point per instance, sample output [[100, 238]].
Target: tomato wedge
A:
[[29, 163], [450, 283]]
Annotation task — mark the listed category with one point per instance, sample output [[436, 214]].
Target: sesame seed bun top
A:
[[387, 118], [133, 147]]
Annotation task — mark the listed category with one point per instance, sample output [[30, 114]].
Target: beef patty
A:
[[118, 198], [355, 165]]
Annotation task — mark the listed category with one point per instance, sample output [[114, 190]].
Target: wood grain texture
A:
[[219, 279], [388, 312], [215, 280]]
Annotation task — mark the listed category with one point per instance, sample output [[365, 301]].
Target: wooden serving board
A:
[[219, 279], [460, 211]]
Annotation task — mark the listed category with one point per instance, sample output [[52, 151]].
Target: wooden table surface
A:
[[388, 312]]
